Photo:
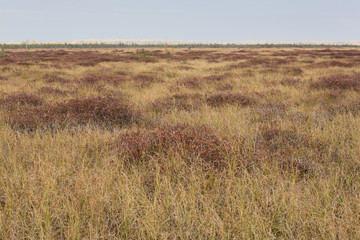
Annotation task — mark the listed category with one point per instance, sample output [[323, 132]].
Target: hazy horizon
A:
[[259, 20]]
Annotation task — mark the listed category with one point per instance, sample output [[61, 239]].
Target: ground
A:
[[225, 143]]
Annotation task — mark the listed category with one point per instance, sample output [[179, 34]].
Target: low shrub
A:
[[102, 111], [338, 82], [198, 143], [281, 147], [145, 79], [190, 82], [21, 98]]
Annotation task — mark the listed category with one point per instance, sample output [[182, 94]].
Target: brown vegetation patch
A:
[[279, 146], [338, 82], [20, 98], [269, 112], [198, 143], [6, 61], [90, 79], [325, 64], [105, 112], [145, 79], [219, 99], [190, 82], [94, 78]]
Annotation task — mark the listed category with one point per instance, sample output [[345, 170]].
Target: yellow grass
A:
[[74, 183]]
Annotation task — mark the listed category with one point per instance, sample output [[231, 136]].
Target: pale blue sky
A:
[[226, 20]]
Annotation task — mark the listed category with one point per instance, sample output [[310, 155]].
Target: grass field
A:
[[235, 143]]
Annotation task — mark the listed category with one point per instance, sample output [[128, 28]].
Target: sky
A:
[[198, 20]]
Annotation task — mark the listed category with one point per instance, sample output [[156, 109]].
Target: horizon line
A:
[[174, 42]]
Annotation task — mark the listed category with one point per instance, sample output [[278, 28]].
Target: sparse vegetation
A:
[[212, 143]]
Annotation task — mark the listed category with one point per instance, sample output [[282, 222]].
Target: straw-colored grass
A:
[[195, 144]]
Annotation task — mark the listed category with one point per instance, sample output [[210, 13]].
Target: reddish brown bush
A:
[[334, 64], [199, 144], [21, 98], [276, 138], [145, 79], [115, 80], [338, 82], [259, 61], [280, 147], [105, 112], [6, 61], [219, 99], [191, 82], [269, 112], [92, 78]]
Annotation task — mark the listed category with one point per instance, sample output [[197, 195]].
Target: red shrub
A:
[[190, 82], [90, 78], [198, 143], [338, 82], [334, 64], [105, 112], [21, 98], [145, 79], [280, 147], [269, 113]]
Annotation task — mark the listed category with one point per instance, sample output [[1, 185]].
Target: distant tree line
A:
[[197, 45]]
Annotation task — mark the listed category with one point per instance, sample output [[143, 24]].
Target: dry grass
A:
[[219, 99], [204, 143]]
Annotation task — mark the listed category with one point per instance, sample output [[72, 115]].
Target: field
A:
[[237, 143]]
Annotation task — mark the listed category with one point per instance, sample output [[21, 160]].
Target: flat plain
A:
[[180, 143]]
